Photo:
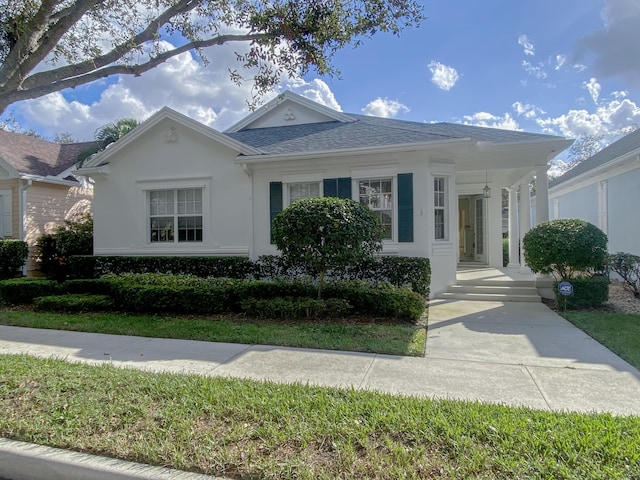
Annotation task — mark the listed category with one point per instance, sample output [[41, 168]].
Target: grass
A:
[[619, 332], [375, 337], [245, 429]]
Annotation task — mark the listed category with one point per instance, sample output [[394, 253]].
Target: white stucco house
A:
[[603, 190], [173, 186]]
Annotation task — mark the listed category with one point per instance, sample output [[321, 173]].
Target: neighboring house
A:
[[602, 190], [173, 186], [37, 190]]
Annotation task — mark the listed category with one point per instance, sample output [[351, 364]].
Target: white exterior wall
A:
[[623, 197], [189, 159], [613, 213]]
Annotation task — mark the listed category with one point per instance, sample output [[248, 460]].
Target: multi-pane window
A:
[[181, 208], [301, 190], [439, 202], [377, 194]]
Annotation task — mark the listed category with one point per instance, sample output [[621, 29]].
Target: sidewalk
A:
[[505, 353]]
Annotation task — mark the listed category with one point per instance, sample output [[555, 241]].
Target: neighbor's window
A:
[[377, 194], [440, 205], [175, 210], [301, 190]]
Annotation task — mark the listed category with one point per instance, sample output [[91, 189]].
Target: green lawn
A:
[[619, 332], [246, 429], [376, 337]]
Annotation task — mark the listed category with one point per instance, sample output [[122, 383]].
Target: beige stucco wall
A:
[[48, 206]]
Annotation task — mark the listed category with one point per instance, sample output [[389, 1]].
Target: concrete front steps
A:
[[493, 291]]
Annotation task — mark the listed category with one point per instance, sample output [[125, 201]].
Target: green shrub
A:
[[86, 286], [414, 272], [219, 267], [72, 303], [295, 307], [82, 266], [505, 252], [24, 290], [321, 234], [13, 255], [383, 300], [588, 292], [627, 266], [565, 248], [73, 238], [171, 293]]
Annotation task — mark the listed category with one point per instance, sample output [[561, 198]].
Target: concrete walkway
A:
[[505, 353]]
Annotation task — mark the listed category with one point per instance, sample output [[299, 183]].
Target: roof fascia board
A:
[[52, 180], [610, 167], [300, 100], [352, 151], [155, 119]]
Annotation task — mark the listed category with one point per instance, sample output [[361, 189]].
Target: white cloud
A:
[[527, 46], [612, 51], [559, 62], [526, 110], [316, 90], [593, 87], [443, 76], [611, 119], [534, 70], [383, 107], [183, 83], [484, 119]]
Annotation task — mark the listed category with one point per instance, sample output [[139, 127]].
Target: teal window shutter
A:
[[344, 187], [275, 202], [405, 207], [337, 187], [330, 187]]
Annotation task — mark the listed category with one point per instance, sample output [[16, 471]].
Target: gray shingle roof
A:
[[618, 148], [367, 131], [34, 156]]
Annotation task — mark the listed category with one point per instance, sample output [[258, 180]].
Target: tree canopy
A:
[[325, 233], [49, 45]]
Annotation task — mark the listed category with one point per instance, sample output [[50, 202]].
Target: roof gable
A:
[[161, 115], [289, 109]]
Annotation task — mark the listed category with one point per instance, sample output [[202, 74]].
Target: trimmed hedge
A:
[[227, 267], [73, 303], [588, 292], [399, 271], [295, 307], [23, 290], [190, 294]]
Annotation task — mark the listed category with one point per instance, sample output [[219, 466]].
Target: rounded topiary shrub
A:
[[565, 248]]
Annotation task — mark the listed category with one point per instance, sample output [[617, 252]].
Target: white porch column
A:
[[524, 214], [514, 237], [542, 194]]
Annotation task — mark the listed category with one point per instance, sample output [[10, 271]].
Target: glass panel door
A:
[[480, 230]]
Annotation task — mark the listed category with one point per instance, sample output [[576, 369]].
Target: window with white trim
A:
[[377, 194], [440, 208], [175, 215], [300, 190]]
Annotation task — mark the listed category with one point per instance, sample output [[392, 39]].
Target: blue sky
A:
[[565, 67]]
